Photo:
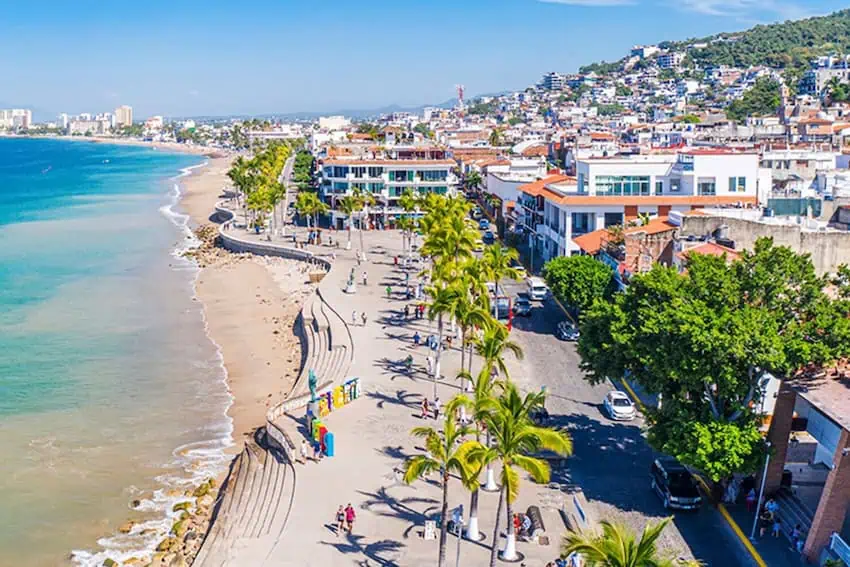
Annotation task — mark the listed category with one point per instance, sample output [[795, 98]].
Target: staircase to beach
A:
[[258, 496]]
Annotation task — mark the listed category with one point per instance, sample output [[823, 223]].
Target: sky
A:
[[217, 57]]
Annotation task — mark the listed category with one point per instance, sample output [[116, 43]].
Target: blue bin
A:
[[329, 444]]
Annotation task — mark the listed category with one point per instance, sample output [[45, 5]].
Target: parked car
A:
[[479, 245], [537, 289], [476, 213], [522, 306], [500, 308], [567, 331], [619, 406], [519, 268], [489, 237], [674, 484], [491, 288], [483, 224]]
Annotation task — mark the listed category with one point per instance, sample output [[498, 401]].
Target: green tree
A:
[[445, 454], [348, 206], [499, 263], [763, 99], [690, 119], [495, 139], [617, 546], [579, 281], [705, 340], [515, 441], [610, 109], [623, 90], [472, 181]]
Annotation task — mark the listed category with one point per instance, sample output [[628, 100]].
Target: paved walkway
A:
[[373, 441]]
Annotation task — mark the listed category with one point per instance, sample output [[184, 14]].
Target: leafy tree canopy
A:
[[705, 339], [579, 281], [762, 99]]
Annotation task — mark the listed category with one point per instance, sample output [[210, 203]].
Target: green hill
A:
[[789, 45]]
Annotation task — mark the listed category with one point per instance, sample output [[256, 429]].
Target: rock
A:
[[109, 563], [178, 561], [212, 482], [190, 535], [126, 527], [166, 544], [181, 506], [133, 562], [205, 501], [136, 503], [179, 528]]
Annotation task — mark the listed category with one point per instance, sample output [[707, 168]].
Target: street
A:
[[612, 459]]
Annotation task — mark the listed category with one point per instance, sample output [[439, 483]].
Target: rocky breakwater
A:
[[209, 252]]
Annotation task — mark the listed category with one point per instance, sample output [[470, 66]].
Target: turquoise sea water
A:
[[110, 389]]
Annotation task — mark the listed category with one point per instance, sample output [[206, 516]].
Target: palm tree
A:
[[473, 180], [365, 200], [348, 205], [495, 137], [618, 546], [469, 313], [445, 453], [516, 439], [443, 298], [498, 262]]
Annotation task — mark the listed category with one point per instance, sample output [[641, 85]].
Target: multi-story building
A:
[[671, 60], [63, 121], [553, 81], [386, 180], [616, 191], [15, 118], [123, 116], [644, 51]]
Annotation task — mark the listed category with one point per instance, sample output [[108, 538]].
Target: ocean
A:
[[110, 389]]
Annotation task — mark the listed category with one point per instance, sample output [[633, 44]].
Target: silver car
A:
[[619, 406]]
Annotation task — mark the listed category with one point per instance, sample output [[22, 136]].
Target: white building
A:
[[123, 116], [334, 122], [63, 121], [615, 191], [644, 51], [670, 60], [14, 118]]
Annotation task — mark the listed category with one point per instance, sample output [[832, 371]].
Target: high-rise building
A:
[[15, 118], [552, 81], [63, 121], [123, 116]]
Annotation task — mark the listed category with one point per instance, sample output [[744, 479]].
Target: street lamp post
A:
[[761, 493]]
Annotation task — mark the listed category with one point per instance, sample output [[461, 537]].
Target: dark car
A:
[[566, 331], [674, 484], [522, 307], [489, 237], [483, 224]]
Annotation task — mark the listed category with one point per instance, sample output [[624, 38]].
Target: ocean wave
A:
[[197, 460]]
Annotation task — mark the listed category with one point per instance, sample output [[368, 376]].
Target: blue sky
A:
[[182, 57]]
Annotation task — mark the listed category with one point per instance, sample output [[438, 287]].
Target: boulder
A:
[[166, 544], [179, 528], [181, 506], [205, 501], [109, 563]]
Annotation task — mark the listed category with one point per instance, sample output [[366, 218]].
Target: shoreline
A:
[[212, 153]]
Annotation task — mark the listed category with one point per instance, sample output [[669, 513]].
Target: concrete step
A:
[[259, 498], [273, 498], [244, 495]]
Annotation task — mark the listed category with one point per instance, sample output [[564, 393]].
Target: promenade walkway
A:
[[373, 439]]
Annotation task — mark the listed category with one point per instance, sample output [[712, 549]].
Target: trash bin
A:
[[329, 444]]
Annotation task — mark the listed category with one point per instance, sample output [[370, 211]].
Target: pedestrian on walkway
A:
[[363, 318], [416, 338], [317, 452], [765, 521], [340, 520], [406, 312], [364, 277], [777, 527], [354, 317], [751, 499], [389, 291], [426, 410], [350, 516], [304, 451], [437, 407]]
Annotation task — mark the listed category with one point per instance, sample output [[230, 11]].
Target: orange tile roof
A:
[[535, 151], [591, 242], [710, 249], [655, 226], [536, 188]]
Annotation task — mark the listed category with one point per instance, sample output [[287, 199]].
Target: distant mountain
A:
[[789, 45]]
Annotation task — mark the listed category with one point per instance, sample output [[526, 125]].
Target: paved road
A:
[[612, 459]]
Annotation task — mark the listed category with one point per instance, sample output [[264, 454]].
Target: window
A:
[[659, 187], [340, 187], [439, 175], [581, 188], [358, 172], [612, 219], [582, 223], [399, 175], [339, 171], [376, 187], [375, 171], [622, 185], [675, 185], [737, 184], [706, 187]]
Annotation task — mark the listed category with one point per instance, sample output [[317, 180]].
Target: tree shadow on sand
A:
[[383, 504], [382, 553]]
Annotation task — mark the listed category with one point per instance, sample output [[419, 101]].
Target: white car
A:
[[619, 406]]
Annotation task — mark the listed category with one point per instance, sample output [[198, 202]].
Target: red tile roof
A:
[[710, 249], [655, 226], [591, 242]]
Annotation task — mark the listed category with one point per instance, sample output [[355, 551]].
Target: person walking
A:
[[363, 318], [354, 317], [777, 527], [350, 516], [406, 312], [364, 277], [305, 454], [340, 520], [437, 407], [430, 364], [416, 338], [389, 291], [426, 410]]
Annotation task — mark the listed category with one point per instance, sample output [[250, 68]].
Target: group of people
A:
[[431, 408], [522, 525], [313, 453], [345, 519], [418, 311], [362, 317], [768, 519]]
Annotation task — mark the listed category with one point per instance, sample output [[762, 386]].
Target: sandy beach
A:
[[250, 304]]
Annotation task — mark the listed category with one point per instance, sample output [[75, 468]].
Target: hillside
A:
[[788, 45]]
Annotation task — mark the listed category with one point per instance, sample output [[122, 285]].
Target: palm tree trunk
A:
[[463, 356], [472, 528], [350, 222], [362, 249], [509, 553], [495, 547], [439, 351], [444, 524]]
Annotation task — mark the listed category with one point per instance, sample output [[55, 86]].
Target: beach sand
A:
[[250, 304]]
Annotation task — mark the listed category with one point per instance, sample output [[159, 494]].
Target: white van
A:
[[537, 290]]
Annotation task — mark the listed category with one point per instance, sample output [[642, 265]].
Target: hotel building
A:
[[420, 170], [123, 116], [615, 191]]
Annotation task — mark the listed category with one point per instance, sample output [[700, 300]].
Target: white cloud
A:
[[593, 3], [746, 9]]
